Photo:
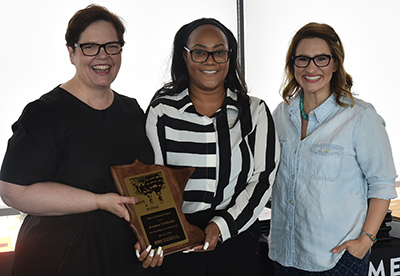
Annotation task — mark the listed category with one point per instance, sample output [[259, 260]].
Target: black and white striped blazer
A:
[[235, 163]]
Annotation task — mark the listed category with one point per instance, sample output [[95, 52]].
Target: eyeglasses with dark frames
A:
[[200, 56], [93, 49], [319, 61]]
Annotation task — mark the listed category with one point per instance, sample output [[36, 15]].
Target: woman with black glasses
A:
[[336, 176], [57, 165], [204, 118]]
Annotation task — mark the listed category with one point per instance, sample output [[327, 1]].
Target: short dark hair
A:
[[341, 82], [92, 13]]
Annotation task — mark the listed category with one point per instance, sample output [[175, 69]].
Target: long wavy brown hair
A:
[[341, 81]]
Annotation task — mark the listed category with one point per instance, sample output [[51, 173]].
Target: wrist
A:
[[371, 237]]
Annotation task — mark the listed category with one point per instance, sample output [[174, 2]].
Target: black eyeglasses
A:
[[200, 56], [319, 61], [93, 49]]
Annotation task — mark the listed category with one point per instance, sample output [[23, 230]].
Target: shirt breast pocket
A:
[[326, 161]]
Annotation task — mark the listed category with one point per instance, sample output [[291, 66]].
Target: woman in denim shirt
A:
[[336, 175]]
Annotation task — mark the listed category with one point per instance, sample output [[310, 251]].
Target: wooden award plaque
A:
[[157, 218]]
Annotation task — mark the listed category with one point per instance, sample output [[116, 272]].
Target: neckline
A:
[[85, 104]]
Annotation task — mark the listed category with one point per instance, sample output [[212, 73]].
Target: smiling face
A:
[[312, 79], [96, 71], [208, 76]]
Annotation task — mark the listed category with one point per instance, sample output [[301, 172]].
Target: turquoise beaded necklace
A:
[[303, 113]]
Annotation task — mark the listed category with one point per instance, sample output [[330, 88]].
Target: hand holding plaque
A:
[[157, 218]]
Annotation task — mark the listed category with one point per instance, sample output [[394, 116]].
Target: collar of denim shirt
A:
[[321, 112]]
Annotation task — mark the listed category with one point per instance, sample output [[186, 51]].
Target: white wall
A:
[[34, 58]]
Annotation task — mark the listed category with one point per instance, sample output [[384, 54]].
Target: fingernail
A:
[[148, 248], [206, 245], [188, 251], [162, 253], [152, 253], [159, 251], [135, 200], [137, 254]]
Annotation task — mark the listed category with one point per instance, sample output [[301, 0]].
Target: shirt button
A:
[[293, 176], [295, 151], [313, 114], [291, 202], [290, 227]]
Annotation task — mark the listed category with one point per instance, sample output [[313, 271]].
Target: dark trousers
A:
[[348, 265], [237, 256]]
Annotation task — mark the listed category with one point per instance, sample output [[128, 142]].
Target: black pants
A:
[[237, 256]]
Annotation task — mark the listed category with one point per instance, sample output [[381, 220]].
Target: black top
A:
[[59, 138]]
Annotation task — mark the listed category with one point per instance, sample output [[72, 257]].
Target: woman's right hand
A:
[[149, 257], [115, 204], [56, 199]]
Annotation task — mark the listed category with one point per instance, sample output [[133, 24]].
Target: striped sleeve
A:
[[155, 134]]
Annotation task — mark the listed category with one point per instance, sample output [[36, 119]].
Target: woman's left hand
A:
[[210, 242], [358, 248]]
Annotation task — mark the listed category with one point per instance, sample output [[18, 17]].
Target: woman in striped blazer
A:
[[203, 118]]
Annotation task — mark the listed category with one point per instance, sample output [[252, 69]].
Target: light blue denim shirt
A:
[[319, 199]]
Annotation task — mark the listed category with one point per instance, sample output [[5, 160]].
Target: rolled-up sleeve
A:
[[374, 155]]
